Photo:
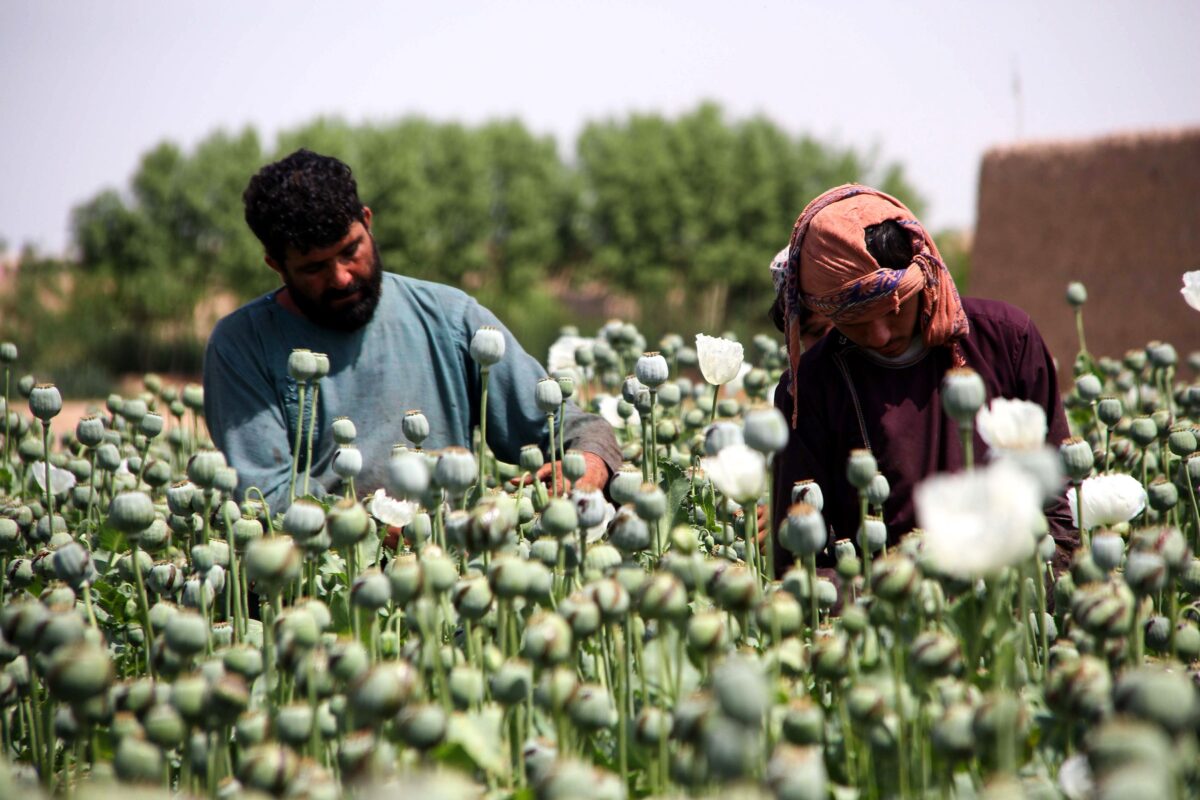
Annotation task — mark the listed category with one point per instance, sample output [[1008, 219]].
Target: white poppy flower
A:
[[739, 472], [979, 522], [607, 404], [1108, 500], [1191, 288], [720, 359], [562, 354], [61, 480], [1007, 424], [390, 511]]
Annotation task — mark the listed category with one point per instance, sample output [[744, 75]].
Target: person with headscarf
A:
[[860, 258]]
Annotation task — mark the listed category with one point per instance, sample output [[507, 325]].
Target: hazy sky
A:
[[87, 86]]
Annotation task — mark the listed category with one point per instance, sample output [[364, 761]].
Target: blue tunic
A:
[[413, 354]]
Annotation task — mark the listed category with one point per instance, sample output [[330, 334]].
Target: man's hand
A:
[[595, 477]]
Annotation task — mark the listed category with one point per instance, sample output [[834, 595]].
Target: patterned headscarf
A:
[[828, 269]]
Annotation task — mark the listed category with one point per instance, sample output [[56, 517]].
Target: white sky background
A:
[[86, 87]]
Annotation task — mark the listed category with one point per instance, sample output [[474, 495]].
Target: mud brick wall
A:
[[1121, 214]]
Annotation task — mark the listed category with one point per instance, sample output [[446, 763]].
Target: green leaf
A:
[[477, 733]]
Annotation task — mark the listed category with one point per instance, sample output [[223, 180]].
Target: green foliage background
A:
[[681, 215]]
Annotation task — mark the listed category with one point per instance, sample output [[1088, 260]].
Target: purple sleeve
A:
[[1038, 382], [798, 461]]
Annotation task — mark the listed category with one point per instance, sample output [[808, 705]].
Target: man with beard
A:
[[394, 343]]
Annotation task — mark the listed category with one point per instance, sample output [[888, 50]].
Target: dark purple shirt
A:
[[848, 400]]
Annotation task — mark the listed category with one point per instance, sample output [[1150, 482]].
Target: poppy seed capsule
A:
[[422, 725], [131, 512], [272, 563], [1076, 294], [1088, 387], [8, 352], [1109, 411], [1078, 458], [415, 426], [371, 590], [1182, 441], [1143, 431], [302, 365], [304, 519], [963, 394], [347, 462], [574, 465], [547, 395], [808, 491], [1162, 495], [90, 431], [344, 431], [652, 370], [779, 614], [203, 466], [872, 535], [455, 470], [138, 761], [487, 346], [151, 425], [348, 523], [1107, 550], [80, 672], [45, 401], [1161, 354], [803, 531], [765, 429], [861, 468], [547, 639]]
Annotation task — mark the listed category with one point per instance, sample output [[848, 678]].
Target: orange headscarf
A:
[[830, 271]]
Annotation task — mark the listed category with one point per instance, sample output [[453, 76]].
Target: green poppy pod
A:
[[548, 395], [652, 370], [344, 431], [383, 690], [473, 597], [559, 517], [547, 639], [963, 394], [1143, 431], [79, 672], [348, 523], [422, 725], [268, 768], [625, 485], [872, 534], [408, 475], [512, 682], [347, 462], [487, 346], [591, 707], [163, 725], [131, 512], [202, 468], [138, 761], [765, 429], [1077, 458], [272, 563], [90, 430], [304, 519], [455, 470], [804, 532], [45, 401], [861, 468]]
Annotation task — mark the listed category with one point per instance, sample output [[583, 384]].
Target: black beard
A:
[[350, 318]]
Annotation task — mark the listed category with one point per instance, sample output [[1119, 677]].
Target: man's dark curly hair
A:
[[304, 201]]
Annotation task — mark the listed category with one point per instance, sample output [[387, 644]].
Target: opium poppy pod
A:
[[45, 401], [487, 346], [548, 395]]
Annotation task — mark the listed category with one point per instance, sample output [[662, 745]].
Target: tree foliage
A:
[[688, 210]]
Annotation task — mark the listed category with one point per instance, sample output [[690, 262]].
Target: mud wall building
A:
[[1121, 214]]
